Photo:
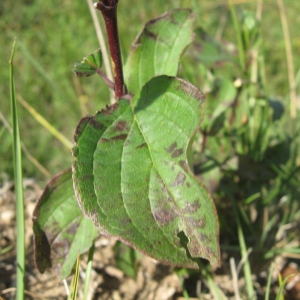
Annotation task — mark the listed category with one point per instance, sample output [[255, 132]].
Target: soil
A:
[[153, 281]]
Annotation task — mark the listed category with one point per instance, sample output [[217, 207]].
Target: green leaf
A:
[[61, 231], [210, 51], [89, 65], [157, 49], [132, 177], [219, 101]]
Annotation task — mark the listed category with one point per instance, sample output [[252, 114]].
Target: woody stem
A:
[[108, 9]]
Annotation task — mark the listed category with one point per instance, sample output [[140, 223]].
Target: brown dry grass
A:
[[154, 281]]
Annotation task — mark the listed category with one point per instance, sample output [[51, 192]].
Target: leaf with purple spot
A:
[[132, 177]]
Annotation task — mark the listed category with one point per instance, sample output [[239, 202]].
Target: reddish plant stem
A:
[[108, 9]]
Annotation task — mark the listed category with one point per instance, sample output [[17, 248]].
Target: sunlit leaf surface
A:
[[157, 49], [131, 174]]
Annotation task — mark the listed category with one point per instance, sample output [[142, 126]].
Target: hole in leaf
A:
[[184, 241]]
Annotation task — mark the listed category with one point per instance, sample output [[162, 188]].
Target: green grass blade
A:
[[282, 284], [214, 289], [268, 287], [210, 283], [238, 35], [246, 265], [74, 283], [17, 162], [88, 272], [6, 249], [185, 295]]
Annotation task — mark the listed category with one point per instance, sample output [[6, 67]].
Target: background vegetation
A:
[[53, 35]]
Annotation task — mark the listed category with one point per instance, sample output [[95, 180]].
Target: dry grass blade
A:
[[33, 295], [67, 143], [289, 58], [234, 278], [25, 150], [103, 47]]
